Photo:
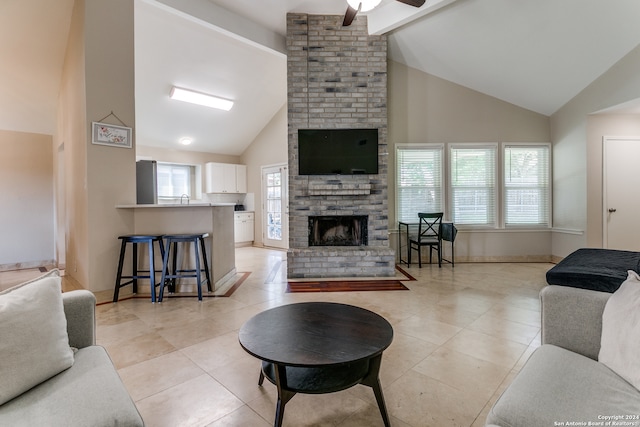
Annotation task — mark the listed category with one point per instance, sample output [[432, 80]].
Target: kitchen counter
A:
[[174, 205], [217, 219]]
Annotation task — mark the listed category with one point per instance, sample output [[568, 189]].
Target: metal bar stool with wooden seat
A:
[[170, 274], [136, 239]]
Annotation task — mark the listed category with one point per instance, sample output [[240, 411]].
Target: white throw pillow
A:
[[620, 342], [34, 345]]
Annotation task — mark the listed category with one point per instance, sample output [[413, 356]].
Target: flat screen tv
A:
[[337, 151]]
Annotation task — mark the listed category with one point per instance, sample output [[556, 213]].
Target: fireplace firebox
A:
[[338, 230]]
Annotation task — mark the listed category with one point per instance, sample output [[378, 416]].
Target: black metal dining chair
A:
[[448, 233], [428, 235]]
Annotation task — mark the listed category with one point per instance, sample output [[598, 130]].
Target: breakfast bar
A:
[[216, 219]]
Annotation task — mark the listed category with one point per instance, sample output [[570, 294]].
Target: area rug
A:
[[327, 285], [224, 290]]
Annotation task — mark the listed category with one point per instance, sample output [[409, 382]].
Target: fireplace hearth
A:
[[338, 230]]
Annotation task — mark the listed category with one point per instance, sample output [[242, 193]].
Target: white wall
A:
[[194, 158], [269, 148], [426, 109], [26, 185], [599, 126], [97, 177], [71, 131], [576, 170]]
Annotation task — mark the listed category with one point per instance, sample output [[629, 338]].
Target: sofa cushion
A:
[[33, 327], [557, 385], [90, 393], [620, 346], [595, 269]]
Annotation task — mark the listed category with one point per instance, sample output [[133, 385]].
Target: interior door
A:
[[275, 204], [620, 187]]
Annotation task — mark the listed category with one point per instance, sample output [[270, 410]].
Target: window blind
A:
[[419, 181], [173, 180], [473, 185], [526, 185]]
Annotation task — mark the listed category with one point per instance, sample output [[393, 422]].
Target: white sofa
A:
[[563, 382], [89, 393]]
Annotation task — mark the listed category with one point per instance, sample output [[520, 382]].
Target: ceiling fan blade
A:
[[414, 3], [349, 16]]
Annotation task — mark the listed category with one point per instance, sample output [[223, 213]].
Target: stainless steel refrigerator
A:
[[146, 182]]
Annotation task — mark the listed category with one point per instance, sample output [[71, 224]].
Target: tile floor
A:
[[461, 335], [11, 278]]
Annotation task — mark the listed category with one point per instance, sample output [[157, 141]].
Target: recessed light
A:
[[186, 140], [200, 98]]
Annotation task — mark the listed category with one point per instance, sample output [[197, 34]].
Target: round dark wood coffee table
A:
[[318, 347]]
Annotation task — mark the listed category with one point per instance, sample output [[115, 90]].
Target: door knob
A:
[[611, 210]]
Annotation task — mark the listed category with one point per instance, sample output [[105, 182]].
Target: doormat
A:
[[349, 285]]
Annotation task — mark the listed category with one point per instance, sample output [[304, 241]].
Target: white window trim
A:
[[195, 182], [503, 215], [499, 209], [498, 183], [443, 172]]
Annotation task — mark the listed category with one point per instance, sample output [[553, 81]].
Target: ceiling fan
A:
[[356, 6]]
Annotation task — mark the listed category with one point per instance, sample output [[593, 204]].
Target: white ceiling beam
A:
[[235, 25], [393, 15]]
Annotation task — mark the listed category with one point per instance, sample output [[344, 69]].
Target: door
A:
[[275, 204], [621, 204]]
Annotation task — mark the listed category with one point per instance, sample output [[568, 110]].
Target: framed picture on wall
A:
[[107, 134]]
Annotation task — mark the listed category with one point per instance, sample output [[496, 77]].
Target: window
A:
[[174, 180], [526, 185], [419, 180], [477, 192], [473, 184]]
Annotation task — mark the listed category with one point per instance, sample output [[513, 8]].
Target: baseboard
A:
[[556, 259], [26, 265], [512, 258], [243, 244], [497, 259]]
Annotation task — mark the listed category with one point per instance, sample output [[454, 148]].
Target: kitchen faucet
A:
[[183, 196]]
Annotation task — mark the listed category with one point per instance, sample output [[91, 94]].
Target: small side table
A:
[[448, 232], [318, 347], [404, 231]]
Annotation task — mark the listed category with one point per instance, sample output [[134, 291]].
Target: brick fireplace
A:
[[338, 230], [337, 79]]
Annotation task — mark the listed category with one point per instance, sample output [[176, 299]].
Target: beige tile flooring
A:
[[14, 277], [460, 336]]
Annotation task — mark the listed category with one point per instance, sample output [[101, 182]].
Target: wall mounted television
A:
[[337, 151]]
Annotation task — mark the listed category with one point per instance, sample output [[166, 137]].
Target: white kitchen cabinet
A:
[[241, 179], [243, 227], [225, 178]]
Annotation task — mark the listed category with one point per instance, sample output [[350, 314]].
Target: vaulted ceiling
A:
[[534, 54]]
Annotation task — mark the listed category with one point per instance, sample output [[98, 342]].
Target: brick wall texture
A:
[[337, 79]]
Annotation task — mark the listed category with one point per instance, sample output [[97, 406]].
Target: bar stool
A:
[[168, 278], [135, 239]]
